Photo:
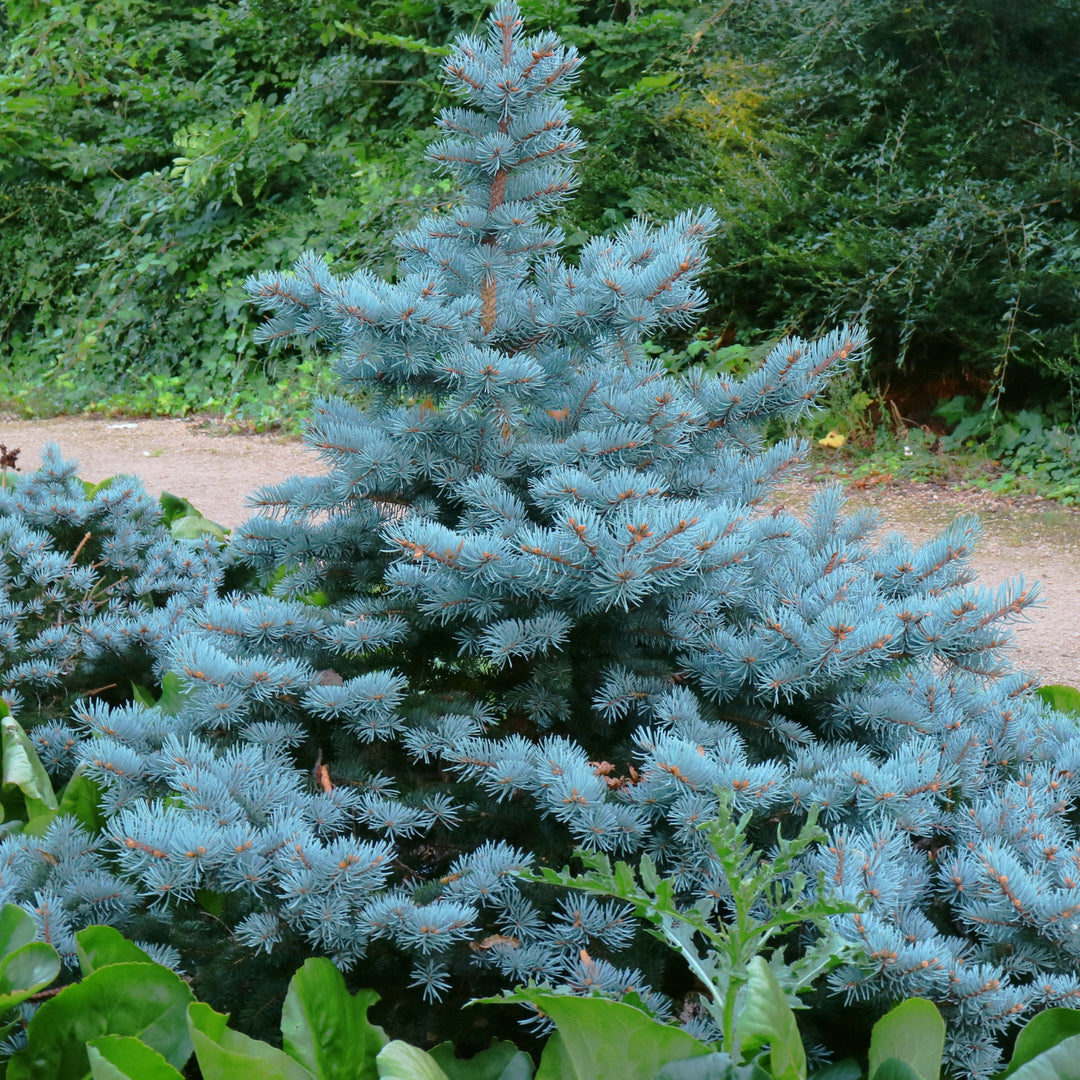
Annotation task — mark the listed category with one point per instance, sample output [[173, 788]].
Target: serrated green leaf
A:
[[326, 1028], [122, 1057], [913, 1033], [649, 877]]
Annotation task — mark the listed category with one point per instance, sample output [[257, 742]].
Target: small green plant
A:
[[131, 1018], [766, 898], [707, 352], [1063, 698], [1036, 451], [26, 966]]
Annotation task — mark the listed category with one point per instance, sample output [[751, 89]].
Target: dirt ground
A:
[[217, 471]]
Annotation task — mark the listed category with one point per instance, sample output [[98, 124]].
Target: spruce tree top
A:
[[503, 383]]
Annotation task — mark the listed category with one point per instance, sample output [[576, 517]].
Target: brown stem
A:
[[487, 312], [78, 550]]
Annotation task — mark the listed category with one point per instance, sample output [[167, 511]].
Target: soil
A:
[[215, 470]]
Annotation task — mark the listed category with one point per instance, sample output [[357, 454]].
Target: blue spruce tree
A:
[[540, 599]]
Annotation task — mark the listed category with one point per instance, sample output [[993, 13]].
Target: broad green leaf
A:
[[914, 1033], [192, 526], [398, 1060], [25, 971], [16, 928], [210, 901], [713, 1067], [173, 507], [185, 522], [122, 1057], [173, 695], [500, 1061], [767, 1019], [839, 1070], [79, 797], [98, 946], [143, 1000], [894, 1069], [555, 1063], [1062, 698], [22, 767], [1060, 1062], [326, 1028], [656, 82], [608, 1040], [142, 695], [225, 1054], [1043, 1031]]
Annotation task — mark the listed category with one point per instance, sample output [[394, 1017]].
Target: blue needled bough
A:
[[539, 600]]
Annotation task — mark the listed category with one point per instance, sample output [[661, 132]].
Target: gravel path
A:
[[216, 472]]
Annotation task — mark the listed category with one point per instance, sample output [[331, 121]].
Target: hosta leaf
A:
[[122, 1057], [143, 1000], [326, 1028], [913, 1033], [225, 1054]]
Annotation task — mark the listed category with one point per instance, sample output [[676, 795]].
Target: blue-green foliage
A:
[[541, 599], [92, 589], [89, 576]]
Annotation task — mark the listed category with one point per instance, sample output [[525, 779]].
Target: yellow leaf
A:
[[834, 440]]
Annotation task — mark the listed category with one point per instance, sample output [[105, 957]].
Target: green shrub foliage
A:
[[911, 165], [540, 599]]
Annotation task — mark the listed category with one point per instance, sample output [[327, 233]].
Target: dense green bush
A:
[[908, 165], [136, 140], [151, 157], [912, 165]]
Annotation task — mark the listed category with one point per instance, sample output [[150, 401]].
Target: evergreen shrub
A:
[[92, 583], [540, 600]]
